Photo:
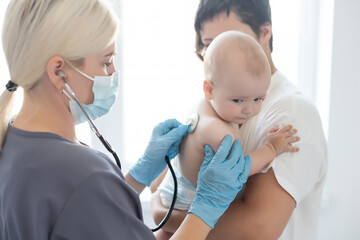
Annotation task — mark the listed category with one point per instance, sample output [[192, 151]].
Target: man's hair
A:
[[254, 13]]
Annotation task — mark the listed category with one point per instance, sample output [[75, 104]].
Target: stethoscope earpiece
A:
[[62, 75]]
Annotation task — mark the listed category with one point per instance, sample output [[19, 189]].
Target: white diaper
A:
[[185, 194]]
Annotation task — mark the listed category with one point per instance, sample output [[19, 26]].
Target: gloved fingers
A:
[[223, 151], [246, 171], [172, 154], [165, 127], [170, 124], [176, 134], [235, 154], [209, 155], [173, 138], [209, 152], [174, 150], [158, 129], [240, 165]]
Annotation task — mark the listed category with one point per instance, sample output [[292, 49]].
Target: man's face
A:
[[222, 23]]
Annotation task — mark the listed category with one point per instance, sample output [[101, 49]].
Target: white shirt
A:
[[301, 174]]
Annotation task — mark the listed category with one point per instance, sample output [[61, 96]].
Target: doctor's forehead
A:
[[109, 51]]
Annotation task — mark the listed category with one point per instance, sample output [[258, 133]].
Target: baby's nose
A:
[[248, 109]]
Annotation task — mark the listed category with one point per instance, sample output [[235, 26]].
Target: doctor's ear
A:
[[55, 73], [208, 88], [62, 75]]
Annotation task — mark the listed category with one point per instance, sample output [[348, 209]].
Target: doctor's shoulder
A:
[[81, 160]]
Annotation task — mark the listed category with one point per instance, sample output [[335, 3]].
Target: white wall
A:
[[340, 218]]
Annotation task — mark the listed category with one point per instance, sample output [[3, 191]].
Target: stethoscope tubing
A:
[[166, 218], [117, 160]]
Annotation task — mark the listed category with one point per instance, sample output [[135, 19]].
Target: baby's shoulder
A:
[[211, 130], [213, 125]]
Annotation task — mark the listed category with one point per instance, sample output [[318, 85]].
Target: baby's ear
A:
[[208, 88]]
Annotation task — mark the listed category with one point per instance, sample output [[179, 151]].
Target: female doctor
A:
[[53, 187]]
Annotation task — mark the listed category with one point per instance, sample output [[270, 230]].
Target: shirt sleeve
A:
[[103, 207], [299, 173]]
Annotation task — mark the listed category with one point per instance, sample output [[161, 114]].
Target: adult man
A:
[[283, 201]]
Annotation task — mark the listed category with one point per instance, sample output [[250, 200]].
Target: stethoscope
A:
[[191, 122]]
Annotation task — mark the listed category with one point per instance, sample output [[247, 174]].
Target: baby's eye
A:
[[258, 99], [237, 100]]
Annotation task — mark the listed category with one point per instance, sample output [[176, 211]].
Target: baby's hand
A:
[[280, 139]]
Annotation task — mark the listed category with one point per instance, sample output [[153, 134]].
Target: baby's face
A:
[[240, 75], [238, 96]]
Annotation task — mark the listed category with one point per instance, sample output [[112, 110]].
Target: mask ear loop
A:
[[71, 95]]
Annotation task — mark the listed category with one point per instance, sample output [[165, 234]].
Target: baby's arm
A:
[[278, 141]]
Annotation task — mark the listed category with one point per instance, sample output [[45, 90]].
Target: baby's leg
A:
[[163, 235]]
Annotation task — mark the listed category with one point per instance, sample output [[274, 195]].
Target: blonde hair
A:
[[36, 30]]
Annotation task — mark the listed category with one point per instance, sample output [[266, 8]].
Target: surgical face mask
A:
[[105, 91]]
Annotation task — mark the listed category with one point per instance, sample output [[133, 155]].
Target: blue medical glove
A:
[[165, 140], [220, 178]]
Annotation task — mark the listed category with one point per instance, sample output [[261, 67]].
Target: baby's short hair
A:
[[234, 45]]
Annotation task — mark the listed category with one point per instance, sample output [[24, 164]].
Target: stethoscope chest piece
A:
[[192, 122]]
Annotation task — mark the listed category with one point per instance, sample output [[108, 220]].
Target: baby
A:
[[237, 76]]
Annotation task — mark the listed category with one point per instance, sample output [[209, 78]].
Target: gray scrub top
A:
[[53, 188]]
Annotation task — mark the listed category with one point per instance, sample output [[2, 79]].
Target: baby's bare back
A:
[[210, 130]]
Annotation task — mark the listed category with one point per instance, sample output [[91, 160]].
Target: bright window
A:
[[162, 77]]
